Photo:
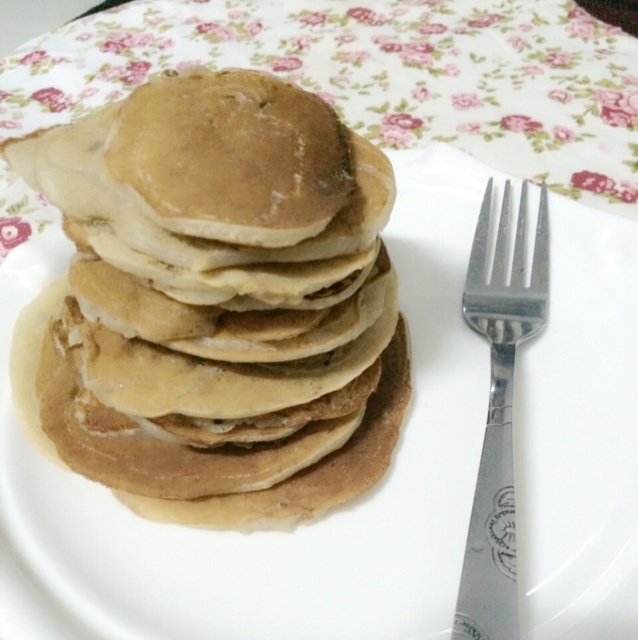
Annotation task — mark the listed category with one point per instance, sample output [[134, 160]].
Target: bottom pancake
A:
[[335, 480], [153, 467]]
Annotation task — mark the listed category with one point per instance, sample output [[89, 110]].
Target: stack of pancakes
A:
[[226, 349]]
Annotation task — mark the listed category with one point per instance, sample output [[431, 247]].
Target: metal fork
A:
[[506, 309]]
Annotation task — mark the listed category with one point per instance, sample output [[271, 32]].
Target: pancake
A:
[[273, 283], [320, 299], [284, 146], [350, 231], [117, 370], [343, 476], [195, 436], [272, 426], [96, 419], [121, 303], [153, 467], [281, 157], [344, 323], [125, 305], [269, 325]]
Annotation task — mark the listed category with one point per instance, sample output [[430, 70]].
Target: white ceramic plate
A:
[[76, 565]]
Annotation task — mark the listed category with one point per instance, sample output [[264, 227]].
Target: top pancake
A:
[[238, 155], [68, 166], [70, 157]]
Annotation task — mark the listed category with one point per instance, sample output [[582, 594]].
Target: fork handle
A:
[[487, 605]]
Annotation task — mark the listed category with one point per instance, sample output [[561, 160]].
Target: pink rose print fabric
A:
[[13, 231], [549, 94]]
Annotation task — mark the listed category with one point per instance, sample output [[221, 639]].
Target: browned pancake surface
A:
[[280, 154]]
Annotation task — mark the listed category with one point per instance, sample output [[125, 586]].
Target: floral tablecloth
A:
[[540, 89]]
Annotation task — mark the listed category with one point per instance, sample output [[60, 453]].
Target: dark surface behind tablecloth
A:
[[621, 13]]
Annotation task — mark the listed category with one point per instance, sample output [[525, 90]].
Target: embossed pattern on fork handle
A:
[[487, 606]]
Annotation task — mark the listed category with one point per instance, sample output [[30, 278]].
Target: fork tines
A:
[[479, 271]]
